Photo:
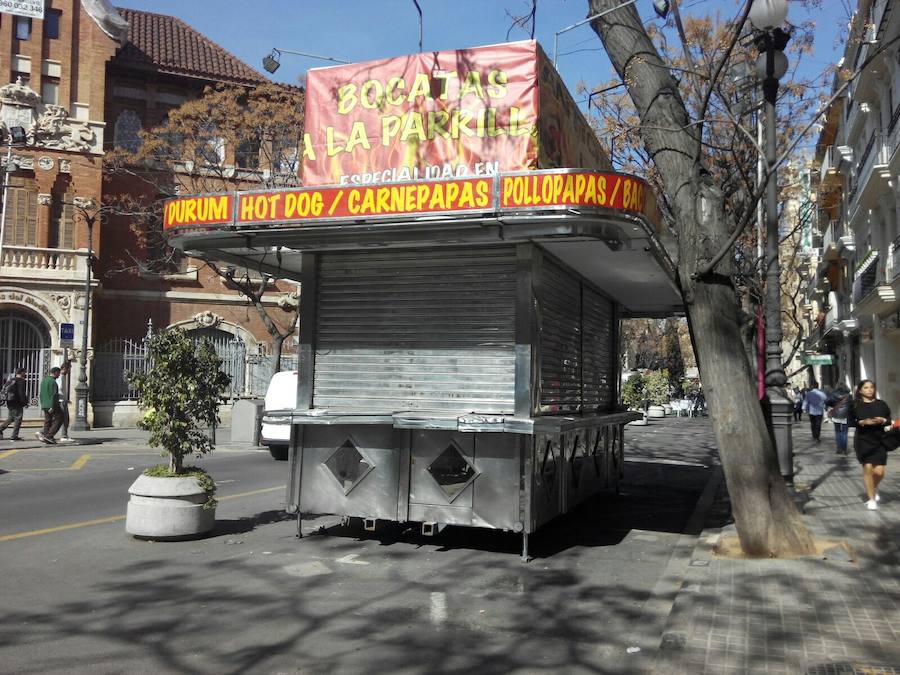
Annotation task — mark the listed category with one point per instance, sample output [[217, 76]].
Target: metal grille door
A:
[[560, 339], [599, 352], [25, 343], [233, 352], [417, 330]]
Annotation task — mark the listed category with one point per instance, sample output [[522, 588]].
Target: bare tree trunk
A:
[[277, 349], [767, 521]]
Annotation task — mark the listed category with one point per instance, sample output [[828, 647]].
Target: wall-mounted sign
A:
[[67, 335], [529, 192], [818, 359], [32, 8], [448, 114]]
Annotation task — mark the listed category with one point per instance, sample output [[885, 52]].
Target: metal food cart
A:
[[458, 351]]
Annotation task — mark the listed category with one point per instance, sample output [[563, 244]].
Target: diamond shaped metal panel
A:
[[348, 466], [548, 469], [576, 460], [452, 471]]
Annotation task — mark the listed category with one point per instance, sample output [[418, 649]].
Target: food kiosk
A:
[[465, 254]]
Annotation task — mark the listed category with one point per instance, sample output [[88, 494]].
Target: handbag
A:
[[891, 440]]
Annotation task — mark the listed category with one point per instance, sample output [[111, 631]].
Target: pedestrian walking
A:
[[16, 401], [65, 368], [870, 415], [838, 412], [814, 406], [799, 395], [49, 397]]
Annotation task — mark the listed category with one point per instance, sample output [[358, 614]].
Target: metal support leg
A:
[[525, 557], [299, 526]]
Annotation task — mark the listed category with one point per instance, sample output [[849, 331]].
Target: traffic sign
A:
[[67, 335]]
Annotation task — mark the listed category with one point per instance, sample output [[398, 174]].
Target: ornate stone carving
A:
[[84, 203], [44, 199], [51, 129], [65, 166], [54, 130], [18, 102], [207, 319], [64, 302], [45, 163], [21, 161]]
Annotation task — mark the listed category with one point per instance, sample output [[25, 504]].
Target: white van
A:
[[281, 399]]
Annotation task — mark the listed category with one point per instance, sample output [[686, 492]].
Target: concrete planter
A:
[[667, 408], [656, 411], [168, 508]]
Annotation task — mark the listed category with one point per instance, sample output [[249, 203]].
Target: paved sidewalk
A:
[[813, 615]]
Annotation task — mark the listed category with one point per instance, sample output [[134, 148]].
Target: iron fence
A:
[[249, 373]]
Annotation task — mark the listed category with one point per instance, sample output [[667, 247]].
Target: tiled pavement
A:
[[813, 615]]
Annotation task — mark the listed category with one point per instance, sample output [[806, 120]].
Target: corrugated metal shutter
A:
[[597, 354], [560, 342], [416, 330]]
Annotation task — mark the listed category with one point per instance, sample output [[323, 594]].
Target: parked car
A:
[[281, 399]]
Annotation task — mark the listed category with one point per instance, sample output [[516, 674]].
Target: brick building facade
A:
[[82, 81]]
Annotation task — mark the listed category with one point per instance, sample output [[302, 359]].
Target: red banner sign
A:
[[448, 114]]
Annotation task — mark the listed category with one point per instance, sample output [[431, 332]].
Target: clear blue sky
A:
[[361, 30]]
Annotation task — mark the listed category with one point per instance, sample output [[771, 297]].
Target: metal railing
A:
[[895, 259], [249, 373], [866, 278], [829, 166], [832, 235]]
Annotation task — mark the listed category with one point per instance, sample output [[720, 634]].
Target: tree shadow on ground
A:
[[248, 524], [653, 498], [452, 612]]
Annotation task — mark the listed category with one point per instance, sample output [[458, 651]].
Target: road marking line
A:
[[79, 463], [111, 519], [60, 528], [252, 492], [438, 609], [350, 559], [8, 453]]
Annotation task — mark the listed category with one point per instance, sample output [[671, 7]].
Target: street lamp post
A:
[[88, 211], [767, 17]]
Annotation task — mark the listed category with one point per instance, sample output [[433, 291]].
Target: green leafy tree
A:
[[656, 387], [633, 391], [180, 395]]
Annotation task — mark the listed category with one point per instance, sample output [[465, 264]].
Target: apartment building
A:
[[82, 80], [854, 278]]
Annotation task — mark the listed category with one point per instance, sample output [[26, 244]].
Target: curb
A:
[[678, 575]]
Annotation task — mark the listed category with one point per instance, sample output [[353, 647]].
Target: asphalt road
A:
[[252, 598], [58, 486]]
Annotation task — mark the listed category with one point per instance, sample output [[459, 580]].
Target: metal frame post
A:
[[780, 408]]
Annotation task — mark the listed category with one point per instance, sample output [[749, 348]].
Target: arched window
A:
[[126, 136]]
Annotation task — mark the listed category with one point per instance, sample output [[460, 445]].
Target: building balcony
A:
[[872, 293], [872, 174], [837, 241], [894, 270], [30, 265], [829, 176]]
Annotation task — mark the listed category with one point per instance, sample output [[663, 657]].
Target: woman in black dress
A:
[[871, 415]]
